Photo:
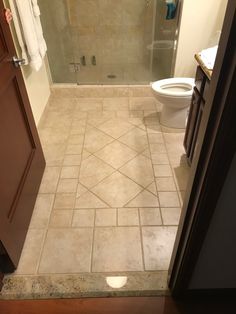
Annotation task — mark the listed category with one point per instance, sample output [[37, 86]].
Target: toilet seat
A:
[[176, 87]]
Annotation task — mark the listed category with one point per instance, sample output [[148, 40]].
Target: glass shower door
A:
[[108, 41], [58, 35]]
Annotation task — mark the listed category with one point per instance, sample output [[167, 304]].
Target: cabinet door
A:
[[192, 119], [21, 158]]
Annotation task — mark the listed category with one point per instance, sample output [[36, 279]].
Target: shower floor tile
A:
[[109, 202]]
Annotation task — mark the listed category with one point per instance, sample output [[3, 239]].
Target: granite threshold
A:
[[59, 286]]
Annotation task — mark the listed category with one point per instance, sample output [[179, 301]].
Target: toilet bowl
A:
[[175, 95]]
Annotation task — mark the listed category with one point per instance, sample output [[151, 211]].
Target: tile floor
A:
[[111, 193]]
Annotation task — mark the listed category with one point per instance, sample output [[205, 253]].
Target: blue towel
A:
[[171, 8]]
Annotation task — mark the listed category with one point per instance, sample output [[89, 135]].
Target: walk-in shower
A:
[[109, 41]]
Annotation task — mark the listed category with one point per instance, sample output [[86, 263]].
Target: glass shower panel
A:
[[164, 43], [58, 35], [108, 41]]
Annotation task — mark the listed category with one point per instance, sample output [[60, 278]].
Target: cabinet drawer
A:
[[200, 80], [191, 124], [206, 89]]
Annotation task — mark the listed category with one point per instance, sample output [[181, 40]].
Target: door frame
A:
[[215, 150]]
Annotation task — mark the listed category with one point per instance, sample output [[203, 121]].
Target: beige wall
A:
[[37, 83], [201, 20]]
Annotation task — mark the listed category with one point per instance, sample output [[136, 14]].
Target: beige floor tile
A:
[[116, 190], [64, 200], [136, 113], [142, 103], [97, 121], [30, 255], [80, 190], [144, 199], [116, 127], [88, 104], [83, 218], [42, 211], [168, 199], [171, 215], [93, 170], [74, 149], [128, 217], [85, 154], [116, 154], [158, 244], [67, 186], [76, 139], [157, 148], [150, 216], [50, 180], [77, 130], [54, 154], [61, 218], [159, 158], [72, 160], [95, 140], [67, 251], [155, 138], [49, 136], [140, 170], [135, 139], [89, 200], [152, 188], [70, 172], [122, 114], [165, 184], [105, 217], [146, 153], [117, 249], [162, 171], [121, 103]]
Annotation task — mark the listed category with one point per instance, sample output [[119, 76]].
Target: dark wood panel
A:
[[132, 305], [3, 47], [21, 159], [15, 153]]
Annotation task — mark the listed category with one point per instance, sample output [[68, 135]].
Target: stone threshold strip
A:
[[84, 285]]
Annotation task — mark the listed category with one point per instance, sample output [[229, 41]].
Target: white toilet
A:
[[175, 95]]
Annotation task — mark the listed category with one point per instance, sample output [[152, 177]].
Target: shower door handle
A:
[[18, 62]]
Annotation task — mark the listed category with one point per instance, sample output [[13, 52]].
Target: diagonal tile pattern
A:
[[116, 154], [116, 127], [139, 170], [109, 199], [117, 190]]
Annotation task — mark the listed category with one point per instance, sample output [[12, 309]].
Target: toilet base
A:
[[173, 118]]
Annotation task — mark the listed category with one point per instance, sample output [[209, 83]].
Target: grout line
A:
[[93, 238], [141, 239]]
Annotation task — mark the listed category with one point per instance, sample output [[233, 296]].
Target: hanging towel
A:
[[29, 31], [19, 32]]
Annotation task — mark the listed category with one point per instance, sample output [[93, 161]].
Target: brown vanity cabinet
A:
[[195, 113]]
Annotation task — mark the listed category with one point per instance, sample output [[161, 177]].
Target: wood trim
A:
[[1, 280], [121, 305], [217, 134]]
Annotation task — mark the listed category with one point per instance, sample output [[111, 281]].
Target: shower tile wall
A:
[[165, 36], [116, 32]]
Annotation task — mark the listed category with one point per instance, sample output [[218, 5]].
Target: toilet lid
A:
[[176, 87]]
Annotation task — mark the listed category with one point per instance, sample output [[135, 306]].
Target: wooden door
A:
[[21, 157]]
